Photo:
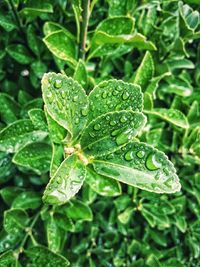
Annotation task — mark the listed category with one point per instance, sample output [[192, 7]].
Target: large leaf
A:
[[61, 45], [35, 156], [18, 134], [114, 95], [140, 165], [66, 182], [40, 256], [65, 101], [111, 130], [101, 184]]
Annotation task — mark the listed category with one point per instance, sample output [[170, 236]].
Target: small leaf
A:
[[19, 53], [8, 259], [9, 109], [61, 45], [103, 185], [80, 74], [77, 210], [35, 156], [7, 22], [57, 158], [41, 256], [36, 8], [53, 235], [10, 193], [38, 119], [145, 72], [114, 95], [172, 116], [66, 182], [8, 241], [33, 40], [27, 200], [140, 165], [15, 221], [6, 167], [66, 102], [111, 130], [18, 134], [56, 132]]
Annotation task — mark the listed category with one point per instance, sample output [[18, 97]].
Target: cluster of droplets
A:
[[65, 93], [115, 95]]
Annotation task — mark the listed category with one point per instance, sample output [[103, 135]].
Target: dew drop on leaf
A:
[[129, 156], [58, 83], [125, 95], [97, 127], [140, 154], [151, 162]]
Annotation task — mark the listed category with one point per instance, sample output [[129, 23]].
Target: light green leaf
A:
[[66, 182], [19, 134], [172, 116], [53, 235], [80, 74], [77, 210], [153, 85], [19, 53], [56, 132], [145, 72], [41, 256], [62, 46], [189, 17], [38, 119], [50, 27], [35, 157], [57, 158], [114, 95], [27, 200], [66, 102], [111, 130], [103, 185], [125, 216], [15, 221], [140, 165]]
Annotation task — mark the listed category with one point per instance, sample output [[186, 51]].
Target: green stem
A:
[[84, 27], [17, 18]]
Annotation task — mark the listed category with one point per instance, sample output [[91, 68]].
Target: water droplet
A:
[[122, 139], [129, 155], [84, 111], [140, 154], [63, 94], [115, 132], [107, 118], [151, 162], [123, 119], [76, 120], [75, 98], [58, 83], [59, 104], [112, 123], [50, 97], [97, 127], [125, 95], [104, 94]]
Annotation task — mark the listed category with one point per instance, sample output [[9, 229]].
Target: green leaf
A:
[[35, 157], [189, 17], [15, 221], [66, 102], [40, 256], [27, 200], [18, 134], [172, 116], [57, 158], [9, 109], [19, 53], [36, 8], [38, 119], [7, 22], [125, 216], [140, 165], [66, 182], [77, 210], [35, 103], [53, 235], [80, 74], [38, 68], [9, 193], [62, 46], [6, 167], [8, 259], [106, 45], [33, 40], [63, 222], [111, 130], [56, 132], [145, 72], [103, 185], [7, 241], [114, 95], [50, 27]]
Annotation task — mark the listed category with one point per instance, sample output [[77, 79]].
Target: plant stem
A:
[[17, 18], [84, 27]]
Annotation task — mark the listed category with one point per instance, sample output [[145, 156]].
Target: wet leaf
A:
[[19, 53], [9, 109], [27, 200]]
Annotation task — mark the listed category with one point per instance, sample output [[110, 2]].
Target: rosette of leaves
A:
[[94, 138]]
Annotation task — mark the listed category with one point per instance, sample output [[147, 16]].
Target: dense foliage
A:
[[103, 99]]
